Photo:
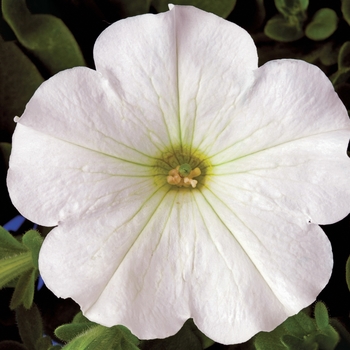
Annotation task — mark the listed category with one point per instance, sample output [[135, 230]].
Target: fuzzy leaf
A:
[[80, 318], [24, 290], [103, 338], [68, 332], [29, 325], [46, 36], [294, 343], [84, 334], [221, 8], [33, 241], [9, 245], [306, 322], [327, 339], [270, 340], [12, 267], [324, 23], [292, 325], [44, 343], [321, 315]]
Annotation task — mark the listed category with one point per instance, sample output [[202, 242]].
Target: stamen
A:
[[183, 175]]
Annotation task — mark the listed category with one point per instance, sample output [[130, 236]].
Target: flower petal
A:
[[311, 183], [289, 100], [190, 243], [71, 179], [82, 107], [88, 142], [129, 272], [288, 144], [275, 265], [101, 112], [186, 61]]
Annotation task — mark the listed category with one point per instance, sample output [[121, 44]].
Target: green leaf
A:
[[45, 36], [221, 8], [294, 343], [33, 241], [205, 341], [321, 315], [68, 332], [20, 265], [347, 269], [84, 334], [14, 266], [270, 340], [24, 290], [345, 9], [19, 78], [289, 335], [29, 325], [306, 322], [323, 24], [327, 339], [291, 7], [80, 318], [283, 29], [102, 338], [185, 338], [292, 325], [9, 245], [44, 343], [344, 56]]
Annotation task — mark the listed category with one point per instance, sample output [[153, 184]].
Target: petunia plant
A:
[[185, 184]]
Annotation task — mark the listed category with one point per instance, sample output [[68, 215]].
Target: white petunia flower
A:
[[184, 181]]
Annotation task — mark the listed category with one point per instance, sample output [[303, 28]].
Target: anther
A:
[[183, 175]]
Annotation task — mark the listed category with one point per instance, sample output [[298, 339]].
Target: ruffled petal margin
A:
[[234, 270]]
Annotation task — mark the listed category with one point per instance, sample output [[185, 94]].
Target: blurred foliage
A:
[[44, 36], [322, 25], [41, 37], [301, 332]]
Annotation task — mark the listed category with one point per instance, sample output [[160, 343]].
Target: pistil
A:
[[183, 175]]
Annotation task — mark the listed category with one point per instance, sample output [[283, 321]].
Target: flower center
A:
[[183, 175], [182, 167]]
